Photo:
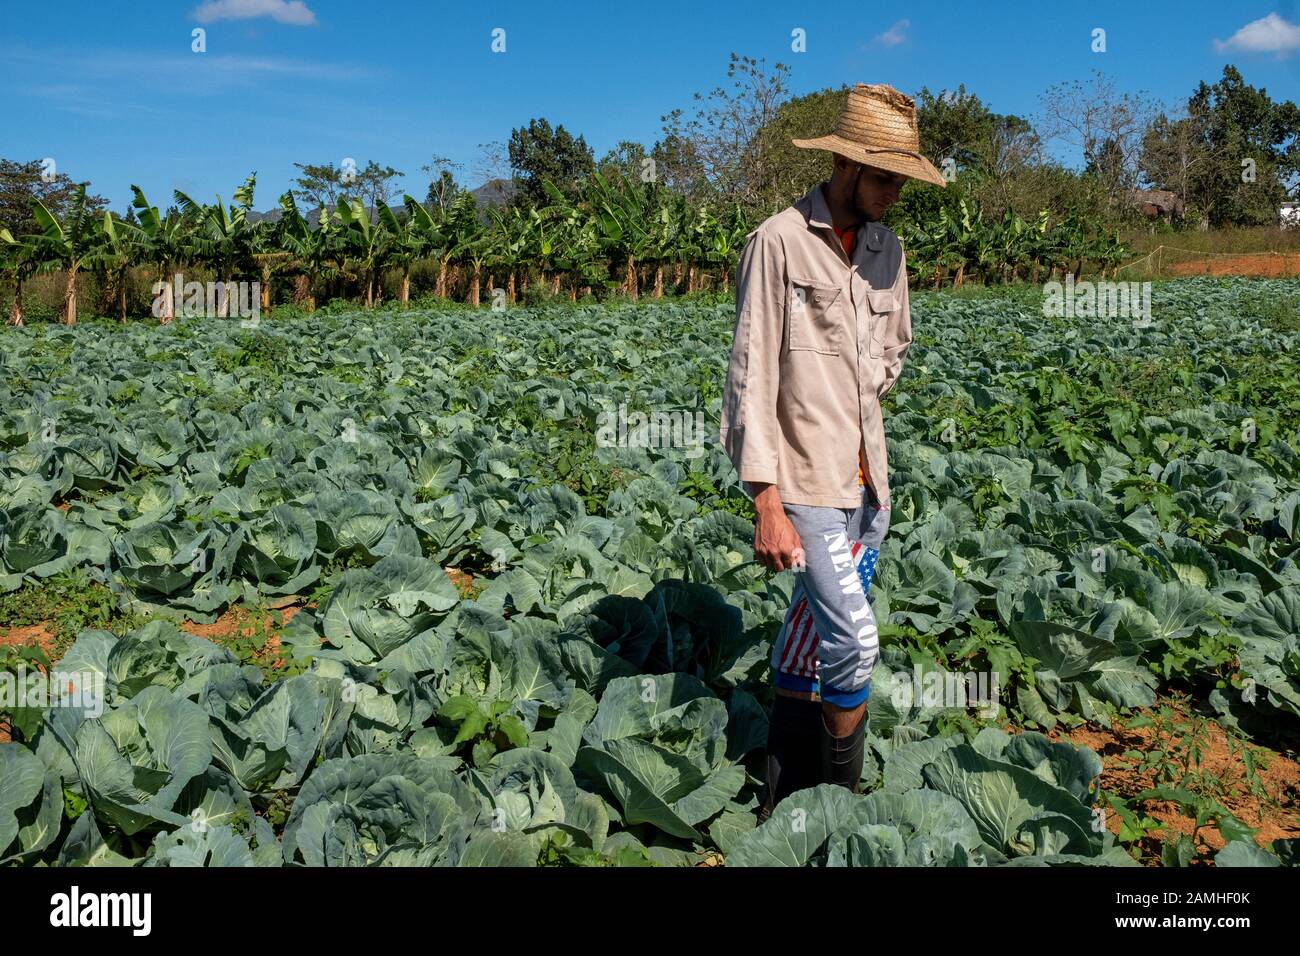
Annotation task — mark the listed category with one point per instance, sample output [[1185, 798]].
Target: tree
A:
[[66, 243], [1111, 166], [1106, 126], [17, 262], [368, 245], [318, 185], [788, 171], [434, 231], [374, 184], [324, 185], [1173, 152], [628, 158], [720, 147], [493, 162], [161, 241], [223, 236], [311, 248], [443, 187], [955, 125], [21, 183], [114, 254], [1249, 151], [538, 153]]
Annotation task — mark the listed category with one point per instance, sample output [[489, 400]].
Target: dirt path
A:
[[1275, 816], [1267, 265], [40, 635]]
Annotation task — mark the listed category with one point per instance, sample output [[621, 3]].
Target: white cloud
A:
[[894, 35], [293, 12], [1271, 34]]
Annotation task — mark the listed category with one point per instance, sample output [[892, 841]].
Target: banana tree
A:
[[17, 262], [699, 238], [1010, 244], [222, 236], [546, 246], [465, 236], [620, 215], [510, 240], [367, 244], [405, 246], [1110, 250], [161, 241], [468, 243], [575, 242], [964, 234], [66, 244], [432, 238], [662, 228], [727, 237], [1038, 245], [1071, 243], [312, 250], [678, 251], [113, 257], [268, 252]]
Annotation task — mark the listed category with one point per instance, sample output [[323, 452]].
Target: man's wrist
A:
[[767, 499]]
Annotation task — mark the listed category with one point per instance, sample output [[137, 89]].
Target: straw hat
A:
[[878, 128]]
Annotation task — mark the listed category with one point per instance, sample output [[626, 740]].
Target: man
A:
[[822, 329]]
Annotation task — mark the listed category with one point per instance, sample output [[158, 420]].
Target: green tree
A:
[[538, 153], [368, 245], [312, 249], [788, 171], [1241, 127], [161, 240], [115, 253], [721, 151], [319, 185], [21, 183], [65, 243], [222, 236], [375, 184], [443, 187], [956, 125], [17, 263], [628, 158]]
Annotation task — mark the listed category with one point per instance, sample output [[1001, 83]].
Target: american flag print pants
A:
[[828, 644]]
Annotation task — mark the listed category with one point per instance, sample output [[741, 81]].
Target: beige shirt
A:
[[819, 340]]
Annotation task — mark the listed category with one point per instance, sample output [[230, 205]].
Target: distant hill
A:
[[494, 192]]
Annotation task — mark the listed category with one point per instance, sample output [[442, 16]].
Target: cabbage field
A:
[[486, 637]]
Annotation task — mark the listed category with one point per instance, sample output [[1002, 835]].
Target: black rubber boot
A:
[[792, 755], [842, 756]]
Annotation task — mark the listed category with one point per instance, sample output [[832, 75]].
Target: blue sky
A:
[[114, 94]]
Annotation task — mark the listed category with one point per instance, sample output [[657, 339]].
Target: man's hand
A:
[[776, 543]]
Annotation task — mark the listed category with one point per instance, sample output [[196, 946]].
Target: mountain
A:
[[494, 192]]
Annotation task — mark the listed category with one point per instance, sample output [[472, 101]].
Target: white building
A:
[[1289, 214]]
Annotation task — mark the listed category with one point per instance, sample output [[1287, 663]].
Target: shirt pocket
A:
[[816, 317], [883, 302]]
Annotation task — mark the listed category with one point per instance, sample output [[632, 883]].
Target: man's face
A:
[[877, 191]]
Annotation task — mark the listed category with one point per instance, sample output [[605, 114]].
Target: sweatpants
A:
[[828, 644]]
